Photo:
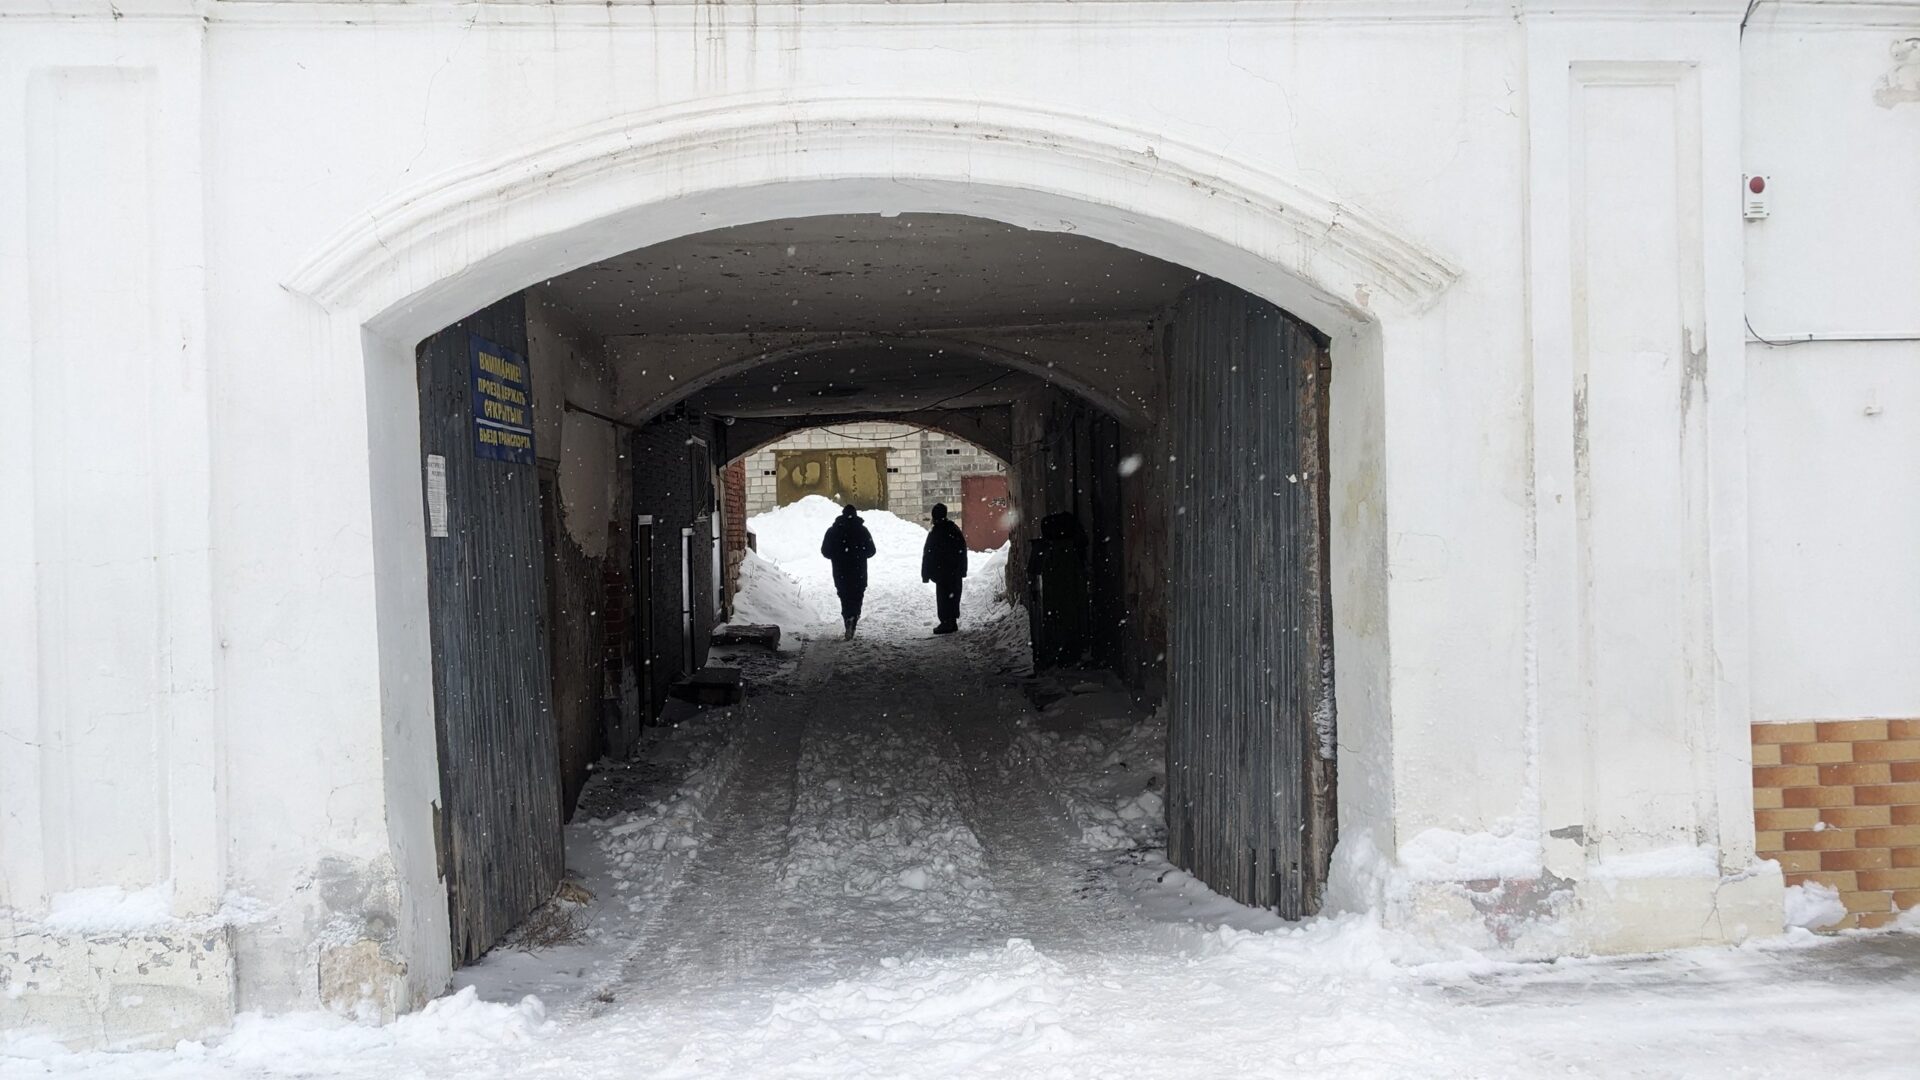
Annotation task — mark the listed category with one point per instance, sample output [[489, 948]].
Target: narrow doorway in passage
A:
[[988, 510]]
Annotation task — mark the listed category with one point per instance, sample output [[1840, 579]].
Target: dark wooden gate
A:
[[1250, 663], [499, 764]]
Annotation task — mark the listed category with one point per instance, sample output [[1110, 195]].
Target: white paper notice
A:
[[436, 495]]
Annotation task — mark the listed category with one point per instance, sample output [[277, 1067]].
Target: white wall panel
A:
[[90, 243], [1836, 530], [1639, 391], [1835, 450]]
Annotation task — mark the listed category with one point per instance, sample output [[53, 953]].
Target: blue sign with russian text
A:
[[502, 403]]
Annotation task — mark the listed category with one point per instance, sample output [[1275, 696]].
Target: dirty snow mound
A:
[[1813, 905], [997, 627], [1106, 766], [770, 595]]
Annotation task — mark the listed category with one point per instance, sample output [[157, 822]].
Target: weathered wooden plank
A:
[[1248, 651], [500, 785]]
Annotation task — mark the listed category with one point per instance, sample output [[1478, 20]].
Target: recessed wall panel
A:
[[1639, 369], [91, 306]]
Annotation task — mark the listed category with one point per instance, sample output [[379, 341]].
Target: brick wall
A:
[[923, 467], [733, 521], [899, 440], [944, 461], [1839, 803]]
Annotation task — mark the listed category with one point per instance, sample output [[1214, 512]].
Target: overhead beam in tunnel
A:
[[988, 427], [867, 377], [1112, 366]]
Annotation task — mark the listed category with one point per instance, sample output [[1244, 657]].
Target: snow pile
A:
[[787, 582], [460, 1023], [1448, 855], [1354, 946], [770, 595], [1361, 877], [1811, 905], [996, 627], [461, 1019], [110, 909], [792, 534], [1680, 860]]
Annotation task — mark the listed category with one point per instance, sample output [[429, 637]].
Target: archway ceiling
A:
[[866, 273], [865, 379]]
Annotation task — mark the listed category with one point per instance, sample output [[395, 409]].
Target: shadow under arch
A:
[[911, 346], [761, 435]]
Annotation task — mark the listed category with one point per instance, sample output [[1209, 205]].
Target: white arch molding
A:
[[434, 253], [610, 188]]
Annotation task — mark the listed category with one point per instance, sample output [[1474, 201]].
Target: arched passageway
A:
[[401, 274], [1162, 437]]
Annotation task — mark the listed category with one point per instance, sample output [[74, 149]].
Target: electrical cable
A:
[[568, 406], [1765, 341], [935, 407]]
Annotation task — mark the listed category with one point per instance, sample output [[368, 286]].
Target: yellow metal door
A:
[[856, 477]]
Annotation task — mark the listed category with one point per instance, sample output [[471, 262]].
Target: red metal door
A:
[[984, 507]]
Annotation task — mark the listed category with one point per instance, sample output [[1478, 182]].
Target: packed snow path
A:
[[871, 819]]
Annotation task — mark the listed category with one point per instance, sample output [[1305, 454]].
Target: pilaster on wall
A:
[[110, 768], [1637, 385]]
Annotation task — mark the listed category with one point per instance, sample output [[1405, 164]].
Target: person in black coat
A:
[[848, 546], [944, 562]]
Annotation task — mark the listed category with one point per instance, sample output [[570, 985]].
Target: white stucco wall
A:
[[226, 225], [1833, 117]]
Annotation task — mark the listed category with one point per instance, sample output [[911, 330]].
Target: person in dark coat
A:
[[848, 546], [944, 562]]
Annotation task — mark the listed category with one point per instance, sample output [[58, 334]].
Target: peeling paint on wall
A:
[[1901, 86], [118, 991]]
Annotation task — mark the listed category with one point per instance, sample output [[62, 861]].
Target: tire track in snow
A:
[[1057, 892], [699, 933], [878, 827], [757, 788]]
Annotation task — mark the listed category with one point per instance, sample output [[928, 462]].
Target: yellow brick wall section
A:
[[1838, 802]]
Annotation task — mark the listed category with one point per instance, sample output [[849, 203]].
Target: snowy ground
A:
[[886, 863]]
